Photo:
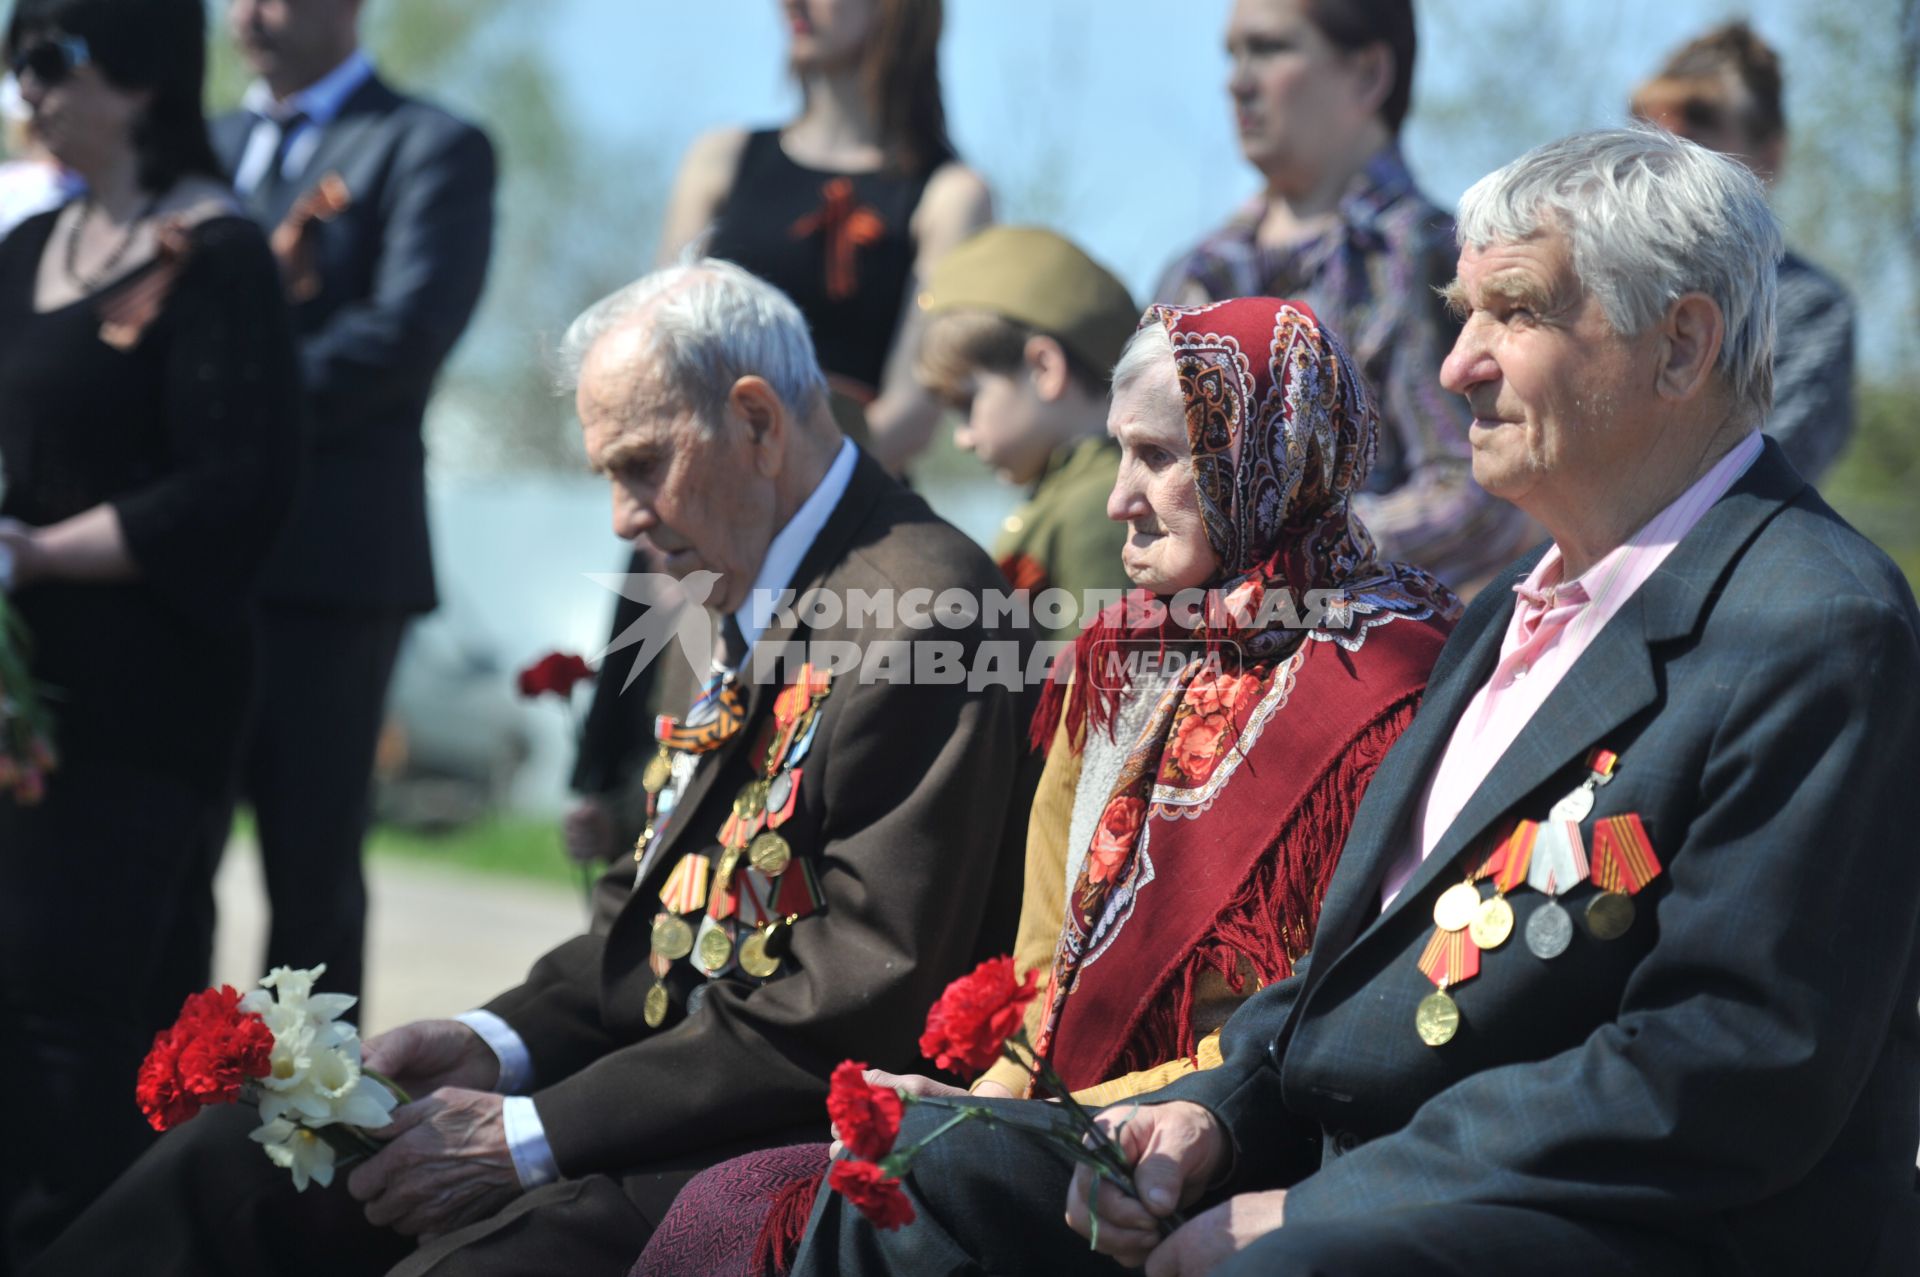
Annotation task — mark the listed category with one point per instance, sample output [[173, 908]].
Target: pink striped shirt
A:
[[1553, 623]]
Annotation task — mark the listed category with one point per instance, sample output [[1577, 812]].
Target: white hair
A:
[[708, 323], [1650, 217], [1147, 364]]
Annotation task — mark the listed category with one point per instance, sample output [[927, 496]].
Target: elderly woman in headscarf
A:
[[1207, 754]]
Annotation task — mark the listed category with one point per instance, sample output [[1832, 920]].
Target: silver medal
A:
[[1576, 806], [779, 789], [1549, 931]]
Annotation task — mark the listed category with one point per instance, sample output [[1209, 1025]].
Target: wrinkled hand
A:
[[912, 1084], [1207, 1240], [429, 1054], [587, 831], [1175, 1150], [445, 1165]]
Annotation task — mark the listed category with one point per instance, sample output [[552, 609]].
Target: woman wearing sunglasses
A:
[[148, 434]]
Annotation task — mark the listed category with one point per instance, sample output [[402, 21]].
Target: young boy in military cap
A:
[[1022, 333]]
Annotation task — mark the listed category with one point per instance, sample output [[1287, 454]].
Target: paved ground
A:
[[440, 941]]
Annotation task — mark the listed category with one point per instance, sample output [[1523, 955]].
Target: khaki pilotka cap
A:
[[1037, 278]]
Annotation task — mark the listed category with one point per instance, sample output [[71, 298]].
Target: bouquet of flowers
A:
[[284, 1048], [976, 1021], [26, 729]]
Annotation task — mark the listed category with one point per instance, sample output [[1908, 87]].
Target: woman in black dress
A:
[[149, 432]]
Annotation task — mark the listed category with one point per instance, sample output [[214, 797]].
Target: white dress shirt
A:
[[526, 1137]]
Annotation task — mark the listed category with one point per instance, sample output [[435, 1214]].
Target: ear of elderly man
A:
[[1618, 970], [552, 1128]]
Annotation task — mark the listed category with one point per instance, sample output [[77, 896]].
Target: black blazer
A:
[[400, 272], [1740, 1070]]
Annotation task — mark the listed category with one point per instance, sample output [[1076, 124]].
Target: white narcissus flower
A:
[[298, 1150], [315, 1075]]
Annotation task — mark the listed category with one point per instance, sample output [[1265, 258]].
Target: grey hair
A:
[[708, 324], [1147, 364], [1650, 217]]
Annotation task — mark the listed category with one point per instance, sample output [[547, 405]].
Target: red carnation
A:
[[211, 1051], [876, 1193], [158, 1089], [556, 673], [976, 1015], [866, 1117]]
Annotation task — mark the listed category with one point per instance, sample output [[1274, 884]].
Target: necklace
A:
[[104, 271]]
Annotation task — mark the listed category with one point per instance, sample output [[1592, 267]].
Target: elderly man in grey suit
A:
[[1617, 972], [380, 209]]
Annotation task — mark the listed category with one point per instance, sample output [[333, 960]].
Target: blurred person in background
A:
[[1320, 89], [149, 425], [31, 180], [380, 209], [844, 209], [1723, 91], [1021, 328]]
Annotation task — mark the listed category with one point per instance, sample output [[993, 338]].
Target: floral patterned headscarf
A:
[[1282, 433]]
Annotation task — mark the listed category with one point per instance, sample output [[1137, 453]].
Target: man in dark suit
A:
[[380, 209], [826, 853], [1617, 972]]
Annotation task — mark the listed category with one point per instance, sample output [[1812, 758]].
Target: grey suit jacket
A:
[[400, 273], [1741, 1070]]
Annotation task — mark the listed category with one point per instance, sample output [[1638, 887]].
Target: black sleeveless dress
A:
[[839, 244]]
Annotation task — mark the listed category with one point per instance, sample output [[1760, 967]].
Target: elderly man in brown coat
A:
[[825, 852]]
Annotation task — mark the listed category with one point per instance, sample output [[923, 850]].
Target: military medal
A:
[[1623, 863], [1559, 862], [1549, 931], [1609, 915], [1450, 958], [770, 854], [713, 949], [657, 1003], [672, 937], [751, 801], [686, 887], [1578, 804], [696, 998], [754, 958], [798, 891], [779, 793], [1456, 907], [1437, 1018], [1492, 923], [659, 771]]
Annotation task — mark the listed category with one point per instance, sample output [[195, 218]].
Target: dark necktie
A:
[[270, 193]]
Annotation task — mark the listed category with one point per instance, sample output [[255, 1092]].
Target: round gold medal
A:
[[1437, 1019], [1492, 923], [715, 948], [751, 800], [754, 958], [1456, 907], [656, 1012], [770, 854], [659, 771], [672, 937], [1609, 914], [729, 861]]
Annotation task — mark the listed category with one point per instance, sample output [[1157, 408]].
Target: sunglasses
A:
[[52, 61]]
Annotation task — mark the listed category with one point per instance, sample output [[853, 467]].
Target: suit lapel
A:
[[1381, 827], [1613, 680], [363, 112], [864, 489]]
